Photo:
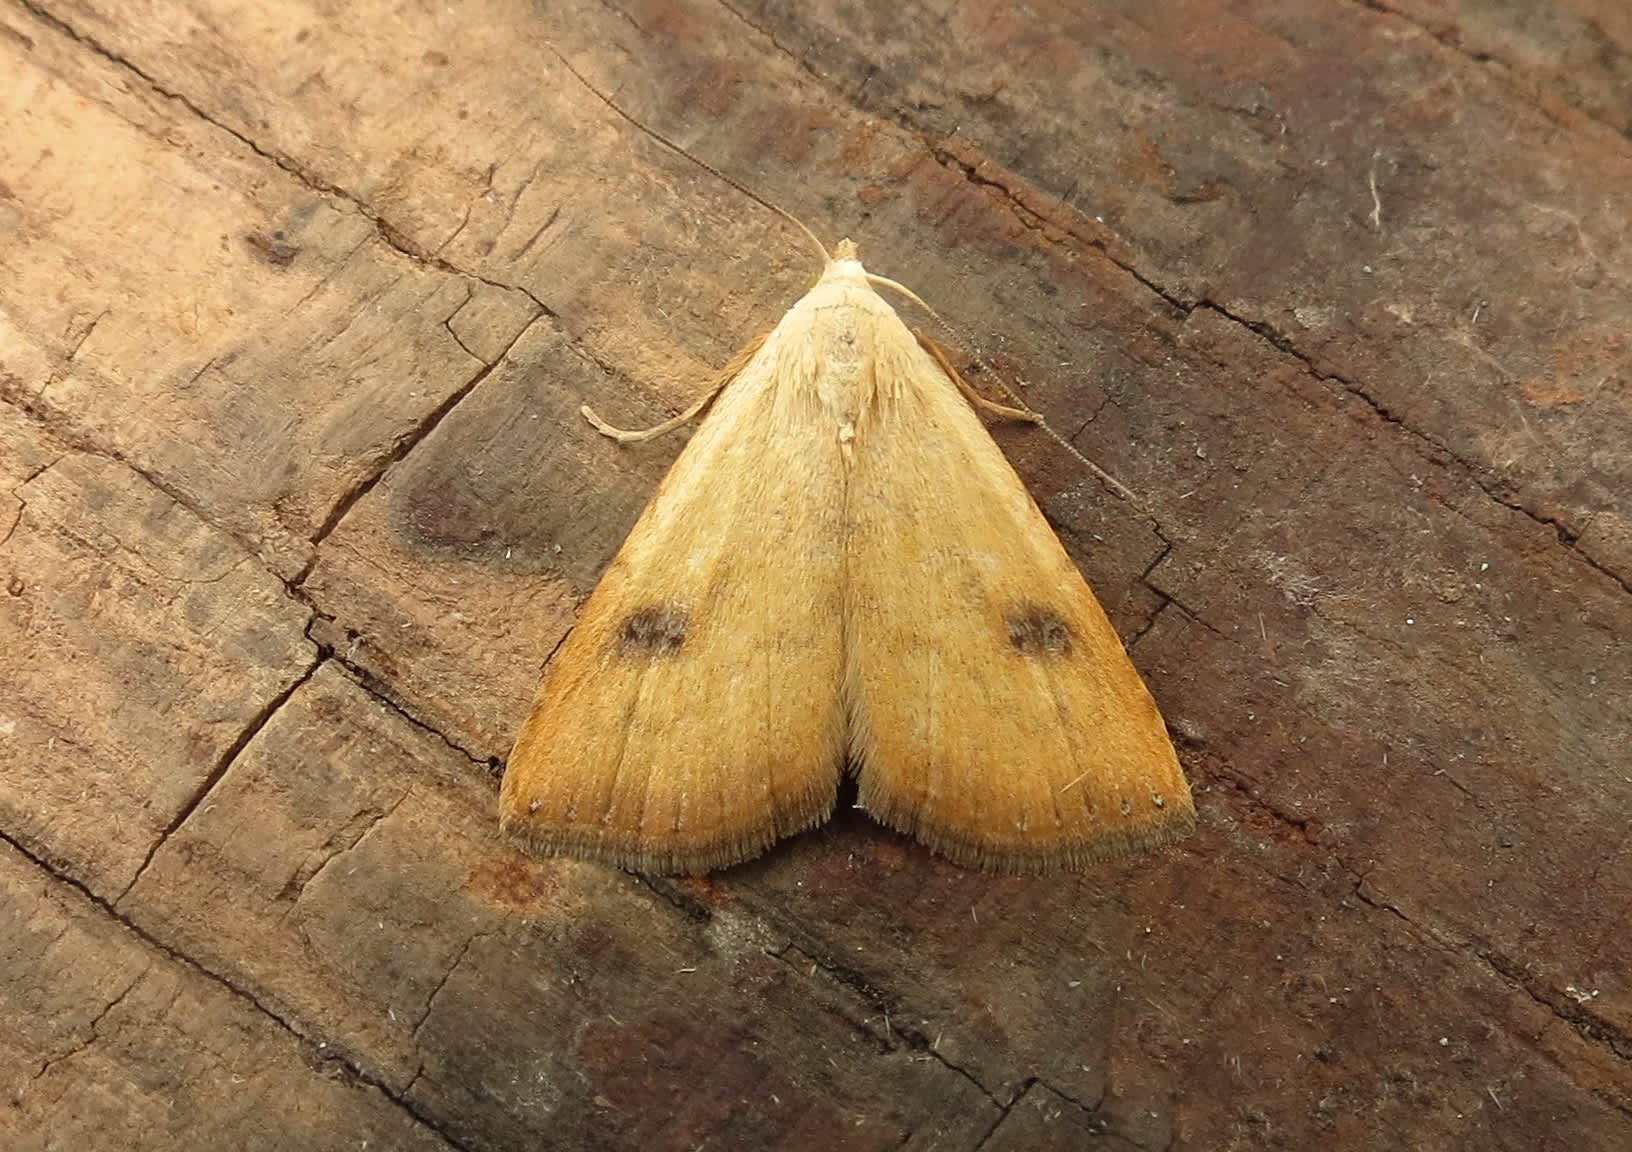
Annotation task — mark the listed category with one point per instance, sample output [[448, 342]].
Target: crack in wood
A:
[[387, 231], [405, 445], [316, 1049], [976, 169], [91, 1028], [378, 689], [295, 890], [858, 984], [430, 1000], [257, 723], [1590, 1026], [1524, 91]]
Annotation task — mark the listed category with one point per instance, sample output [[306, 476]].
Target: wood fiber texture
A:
[[298, 305]]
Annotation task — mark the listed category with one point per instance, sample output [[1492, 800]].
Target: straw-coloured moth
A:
[[842, 571]]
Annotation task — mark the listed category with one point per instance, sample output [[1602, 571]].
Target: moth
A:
[[842, 573]]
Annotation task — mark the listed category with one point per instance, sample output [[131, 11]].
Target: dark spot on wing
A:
[[655, 631], [1035, 631]]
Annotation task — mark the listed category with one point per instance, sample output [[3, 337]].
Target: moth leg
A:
[[969, 393], [1025, 414], [726, 375]]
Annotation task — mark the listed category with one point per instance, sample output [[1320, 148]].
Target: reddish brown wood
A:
[[297, 309]]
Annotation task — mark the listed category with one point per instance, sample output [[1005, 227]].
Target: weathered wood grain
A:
[[252, 343], [140, 644], [297, 308], [113, 1042], [356, 855]]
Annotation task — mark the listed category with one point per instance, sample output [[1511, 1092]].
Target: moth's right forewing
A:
[[693, 717], [996, 716]]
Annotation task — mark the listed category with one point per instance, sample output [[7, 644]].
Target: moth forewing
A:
[[692, 717], [1004, 724]]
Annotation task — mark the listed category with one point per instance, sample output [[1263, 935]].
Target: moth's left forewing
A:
[[994, 713], [693, 715]]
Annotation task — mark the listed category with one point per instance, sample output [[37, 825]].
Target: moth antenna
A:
[[653, 134], [1021, 411]]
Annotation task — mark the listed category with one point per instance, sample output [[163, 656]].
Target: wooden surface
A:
[[297, 307]]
